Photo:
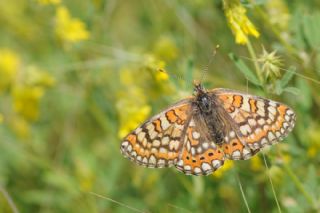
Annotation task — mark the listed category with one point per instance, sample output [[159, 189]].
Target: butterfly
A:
[[198, 133]]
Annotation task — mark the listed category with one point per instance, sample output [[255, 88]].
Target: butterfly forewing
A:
[[157, 142]]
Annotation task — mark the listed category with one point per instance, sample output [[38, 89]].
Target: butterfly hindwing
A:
[[200, 155]]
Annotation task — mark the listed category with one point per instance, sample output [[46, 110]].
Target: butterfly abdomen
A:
[[207, 108]]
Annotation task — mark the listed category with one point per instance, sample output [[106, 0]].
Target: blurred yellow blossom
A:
[[26, 101], [9, 65], [313, 135], [133, 116], [238, 21], [49, 2], [152, 63], [1, 118], [166, 49], [70, 29], [132, 104], [162, 75], [256, 164], [26, 93], [226, 166]]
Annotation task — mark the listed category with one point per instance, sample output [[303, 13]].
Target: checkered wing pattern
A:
[[157, 142], [199, 155], [256, 122]]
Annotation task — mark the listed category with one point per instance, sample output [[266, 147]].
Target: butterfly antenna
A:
[[206, 68]]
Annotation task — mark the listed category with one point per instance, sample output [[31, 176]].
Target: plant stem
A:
[[255, 61]]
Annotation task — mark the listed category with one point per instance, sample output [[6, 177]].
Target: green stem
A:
[[270, 180], [255, 61], [299, 185]]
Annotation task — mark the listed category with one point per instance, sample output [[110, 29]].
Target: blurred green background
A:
[[77, 76]]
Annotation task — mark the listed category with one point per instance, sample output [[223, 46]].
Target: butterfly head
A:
[[198, 88], [202, 98]]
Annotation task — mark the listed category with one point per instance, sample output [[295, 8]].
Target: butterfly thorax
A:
[[207, 108]]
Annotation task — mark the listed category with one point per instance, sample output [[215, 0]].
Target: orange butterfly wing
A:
[[157, 142], [259, 121], [200, 155]]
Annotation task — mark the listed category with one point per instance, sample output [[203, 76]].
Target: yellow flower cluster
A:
[[132, 104], [256, 164], [27, 92], [238, 21], [45, 2], [25, 87], [157, 67], [9, 66], [69, 29]]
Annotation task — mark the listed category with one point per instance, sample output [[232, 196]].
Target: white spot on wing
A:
[[216, 163], [164, 123], [252, 122], [245, 104], [195, 135], [271, 136], [152, 160], [141, 136], [236, 154], [245, 129], [272, 110], [165, 141], [197, 170], [205, 166]]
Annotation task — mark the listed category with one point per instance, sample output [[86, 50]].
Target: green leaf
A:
[[246, 71], [311, 29], [278, 88], [292, 90], [287, 77]]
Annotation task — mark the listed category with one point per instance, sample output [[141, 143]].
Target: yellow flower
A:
[[132, 104], [1, 118], [226, 166], [133, 117], [162, 75], [256, 163], [26, 101], [9, 65], [153, 64], [239, 23], [44, 2], [69, 29]]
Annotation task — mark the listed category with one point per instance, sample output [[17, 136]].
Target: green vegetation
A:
[[77, 76]]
